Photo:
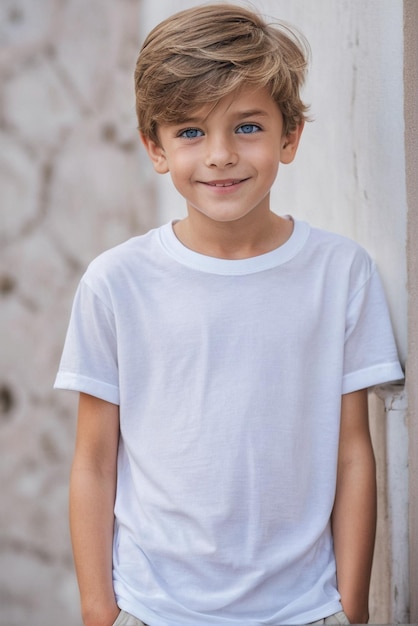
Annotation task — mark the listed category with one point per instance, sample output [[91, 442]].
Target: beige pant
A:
[[124, 619], [337, 618]]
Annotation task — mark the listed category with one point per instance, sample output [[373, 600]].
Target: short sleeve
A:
[[370, 353], [89, 359]]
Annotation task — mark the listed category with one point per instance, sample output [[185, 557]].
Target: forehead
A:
[[240, 102]]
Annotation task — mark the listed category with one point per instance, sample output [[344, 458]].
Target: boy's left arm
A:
[[354, 513]]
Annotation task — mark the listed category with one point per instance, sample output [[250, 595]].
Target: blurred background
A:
[[74, 181]]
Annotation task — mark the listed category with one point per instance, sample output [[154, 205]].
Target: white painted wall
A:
[[349, 175]]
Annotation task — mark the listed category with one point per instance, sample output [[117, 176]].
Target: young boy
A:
[[223, 472]]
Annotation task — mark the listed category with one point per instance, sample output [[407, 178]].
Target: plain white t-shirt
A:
[[229, 375]]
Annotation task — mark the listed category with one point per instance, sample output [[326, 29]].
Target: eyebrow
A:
[[252, 113], [239, 115]]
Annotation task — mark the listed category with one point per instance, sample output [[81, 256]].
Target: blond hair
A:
[[202, 54]]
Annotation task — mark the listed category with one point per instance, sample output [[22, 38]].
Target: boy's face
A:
[[224, 159]]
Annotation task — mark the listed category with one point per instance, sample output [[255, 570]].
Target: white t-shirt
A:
[[229, 375]]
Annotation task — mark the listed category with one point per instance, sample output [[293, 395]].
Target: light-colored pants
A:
[[124, 619], [337, 618]]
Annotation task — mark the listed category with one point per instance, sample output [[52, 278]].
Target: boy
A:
[[223, 363]]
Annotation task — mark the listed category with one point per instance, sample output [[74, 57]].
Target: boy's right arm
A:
[[92, 498]]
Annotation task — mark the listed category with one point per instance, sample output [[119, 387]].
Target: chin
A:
[[224, 217]]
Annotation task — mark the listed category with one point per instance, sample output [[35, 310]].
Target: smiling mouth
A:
[[224, 183]]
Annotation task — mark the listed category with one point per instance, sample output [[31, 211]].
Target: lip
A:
[[225, 183]]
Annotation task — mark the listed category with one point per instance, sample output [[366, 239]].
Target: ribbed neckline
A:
[[233, 267]]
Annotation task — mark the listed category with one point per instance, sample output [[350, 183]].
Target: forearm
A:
[[92, 499], [91, 521], [354, 526]]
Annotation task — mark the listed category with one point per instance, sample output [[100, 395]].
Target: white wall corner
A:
[[395, 402]]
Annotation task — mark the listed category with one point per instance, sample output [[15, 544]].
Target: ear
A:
[[156, 154], [290, 144]]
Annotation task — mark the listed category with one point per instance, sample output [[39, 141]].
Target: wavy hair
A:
[[200, 55]]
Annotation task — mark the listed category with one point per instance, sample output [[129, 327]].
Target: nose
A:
[[221, 151]]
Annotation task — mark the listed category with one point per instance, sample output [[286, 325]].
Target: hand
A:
[[357, 616], [101, 617]]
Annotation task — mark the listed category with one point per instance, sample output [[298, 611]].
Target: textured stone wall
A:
[[72, 183]]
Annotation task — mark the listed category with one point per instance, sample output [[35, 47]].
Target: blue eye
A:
[[191, 133], [248, 129]]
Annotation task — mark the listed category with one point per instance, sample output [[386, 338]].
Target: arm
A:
[[354, 513], [92, 497]]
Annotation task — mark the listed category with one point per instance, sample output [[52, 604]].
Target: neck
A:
[[239, 239]]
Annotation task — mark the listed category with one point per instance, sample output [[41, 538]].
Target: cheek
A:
[[268, 163], [182, 163], [179, 176], [263, 155]]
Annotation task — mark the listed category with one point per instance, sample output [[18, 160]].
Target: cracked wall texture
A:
[[72, 184]]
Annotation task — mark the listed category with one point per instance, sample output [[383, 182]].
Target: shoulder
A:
[[340, 254], [337, 244], [336, 264], [112, 273], [123, 253], [124, 259]]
